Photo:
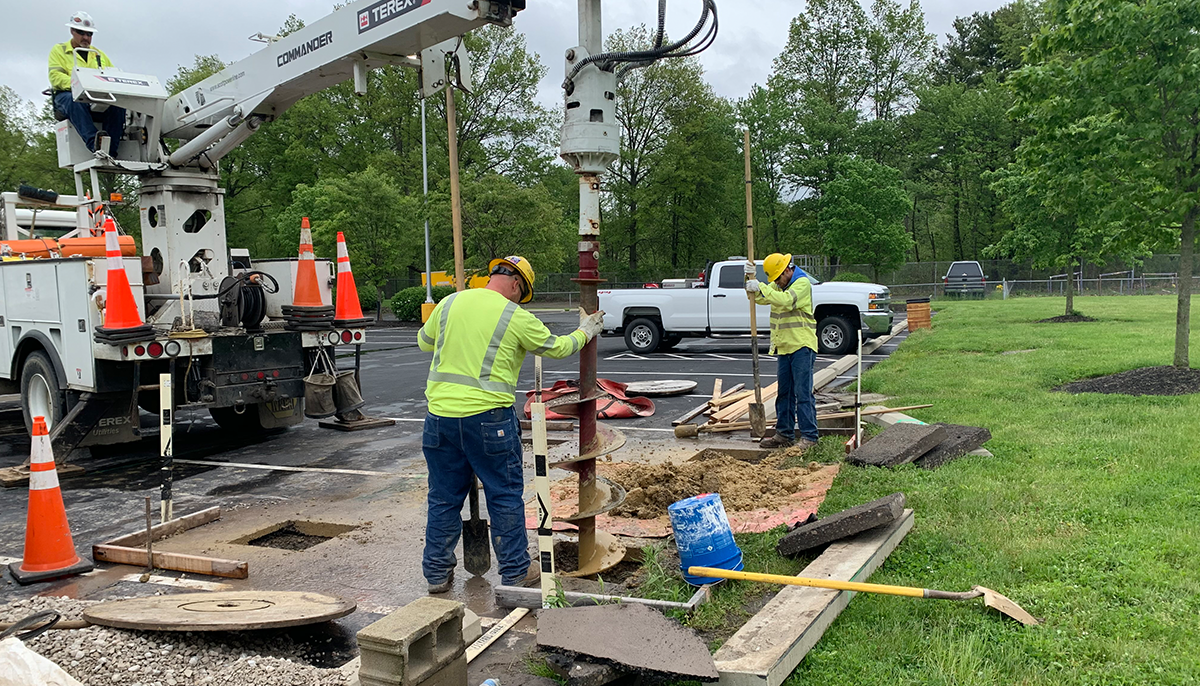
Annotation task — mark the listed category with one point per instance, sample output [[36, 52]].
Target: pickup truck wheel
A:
[[835, 335], [40, 393], [642, 336]]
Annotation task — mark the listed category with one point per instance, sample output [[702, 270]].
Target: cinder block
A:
[[842, 524], [453, 674], [898, 444], [413, 644], [960, 440]]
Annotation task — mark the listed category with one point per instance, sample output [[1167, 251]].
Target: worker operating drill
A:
[[479, 339]]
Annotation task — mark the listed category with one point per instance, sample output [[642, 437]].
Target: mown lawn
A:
[[1088, 515]]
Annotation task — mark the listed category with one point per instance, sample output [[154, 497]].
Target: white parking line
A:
[[282, 468]]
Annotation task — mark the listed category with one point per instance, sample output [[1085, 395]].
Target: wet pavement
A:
[[373, 481]]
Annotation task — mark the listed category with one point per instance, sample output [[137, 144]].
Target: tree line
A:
[[1054, 131]]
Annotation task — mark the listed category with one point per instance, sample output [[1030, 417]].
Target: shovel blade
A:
[[1006, 607], [477, 552], [758, 420]]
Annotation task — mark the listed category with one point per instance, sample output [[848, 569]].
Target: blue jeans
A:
[[486, 445], [80, 114], [794, 404]]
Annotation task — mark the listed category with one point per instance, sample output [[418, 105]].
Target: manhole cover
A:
[[294, 535], [221, 611]]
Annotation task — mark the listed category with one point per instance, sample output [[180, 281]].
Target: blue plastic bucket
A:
[[703, 536]]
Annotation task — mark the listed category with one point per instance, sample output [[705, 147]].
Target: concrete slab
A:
[[769, 646], [633, 636], [897, 445], [960, 440], [842, 524], [886, 419]]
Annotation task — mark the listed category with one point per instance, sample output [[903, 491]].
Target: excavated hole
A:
[[294, 535]]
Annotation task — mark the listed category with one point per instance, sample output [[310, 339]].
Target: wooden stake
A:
[[460, 282]]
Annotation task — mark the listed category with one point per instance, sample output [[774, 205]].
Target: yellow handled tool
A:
[[991, 598]]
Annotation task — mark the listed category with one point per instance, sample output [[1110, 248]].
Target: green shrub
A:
[[852, 276], [368, 297], [406, 304]]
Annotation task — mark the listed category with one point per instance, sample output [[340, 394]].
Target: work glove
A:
[[751, 269], [753, 286], [591, 324]]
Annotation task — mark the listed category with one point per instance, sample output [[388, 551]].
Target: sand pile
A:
[[743, 485]]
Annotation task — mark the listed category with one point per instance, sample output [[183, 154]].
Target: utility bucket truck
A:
[[218, 318]]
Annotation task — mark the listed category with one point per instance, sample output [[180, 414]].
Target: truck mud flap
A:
[[96, 419], [280, 413]]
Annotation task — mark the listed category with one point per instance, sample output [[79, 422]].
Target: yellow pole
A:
[[804, 581]]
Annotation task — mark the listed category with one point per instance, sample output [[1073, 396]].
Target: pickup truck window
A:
[[734, 276], [965, 269]]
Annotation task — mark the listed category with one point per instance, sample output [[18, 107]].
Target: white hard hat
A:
[[82, 21]]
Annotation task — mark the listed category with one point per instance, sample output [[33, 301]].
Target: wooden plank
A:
[[193, 564], [697, 411], [742, 407], [872, 411], [489, 637], [716, 394], [769, 646], [168, 528], [729, 399]]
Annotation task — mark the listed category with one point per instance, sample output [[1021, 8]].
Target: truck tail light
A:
[[155, 349], [139, 350], [347, 336]]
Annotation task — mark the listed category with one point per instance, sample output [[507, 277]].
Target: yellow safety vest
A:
[[479, 339], [793, 325], [63, 59]]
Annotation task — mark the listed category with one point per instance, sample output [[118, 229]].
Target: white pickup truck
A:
[[659, 318]]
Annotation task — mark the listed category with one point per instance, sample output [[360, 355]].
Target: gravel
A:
[[101, 655]]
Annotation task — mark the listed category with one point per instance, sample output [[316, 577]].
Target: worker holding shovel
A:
[[479, 338], [794, 341]]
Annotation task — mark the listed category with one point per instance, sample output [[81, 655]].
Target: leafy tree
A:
[[1120, 77], [862, 215], [377, 232]]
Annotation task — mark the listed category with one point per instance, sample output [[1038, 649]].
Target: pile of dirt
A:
[[1144, 381], [743, 485], [1065, 319]]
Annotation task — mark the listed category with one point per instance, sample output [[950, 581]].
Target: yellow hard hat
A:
[[520, 266], [775, 264]]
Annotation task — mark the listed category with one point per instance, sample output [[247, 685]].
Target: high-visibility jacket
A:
[[63, 59], [479, 339], [793, 325]]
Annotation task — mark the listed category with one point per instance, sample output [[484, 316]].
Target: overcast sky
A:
[[155, 37]]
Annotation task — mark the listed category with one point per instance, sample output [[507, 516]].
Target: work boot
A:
[[804, 444], [532, 577], [776, 441], [444, 586]]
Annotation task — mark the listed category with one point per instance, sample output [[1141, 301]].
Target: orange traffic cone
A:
[[306, 312], [49, 550], [122, 323], [349, 311]]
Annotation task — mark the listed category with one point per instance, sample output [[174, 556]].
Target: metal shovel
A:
[[477, 552], [991, 598], [758, 414]]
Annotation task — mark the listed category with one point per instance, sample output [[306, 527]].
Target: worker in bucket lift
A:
[[794, 341], [63, 59], [479, 338]]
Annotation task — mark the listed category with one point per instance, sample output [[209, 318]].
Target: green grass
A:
[[1087, 516]]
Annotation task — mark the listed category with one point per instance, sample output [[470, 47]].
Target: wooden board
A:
[[663, 387], [742, 407], [697, 411], [220, 611], [168, 528], [193, 564], [769, 646]]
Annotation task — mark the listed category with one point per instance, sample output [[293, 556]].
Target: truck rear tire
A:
[[40, 392], [230, 419], [643, 335], [835, 335]]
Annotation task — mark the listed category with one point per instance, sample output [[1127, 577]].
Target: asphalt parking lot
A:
[[308, 472]]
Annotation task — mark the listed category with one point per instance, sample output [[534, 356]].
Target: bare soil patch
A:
[[1065, 319], [743, 486], [1144, 381]]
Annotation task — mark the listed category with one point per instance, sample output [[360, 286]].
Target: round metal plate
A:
[[220, 611], [658, 388]]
